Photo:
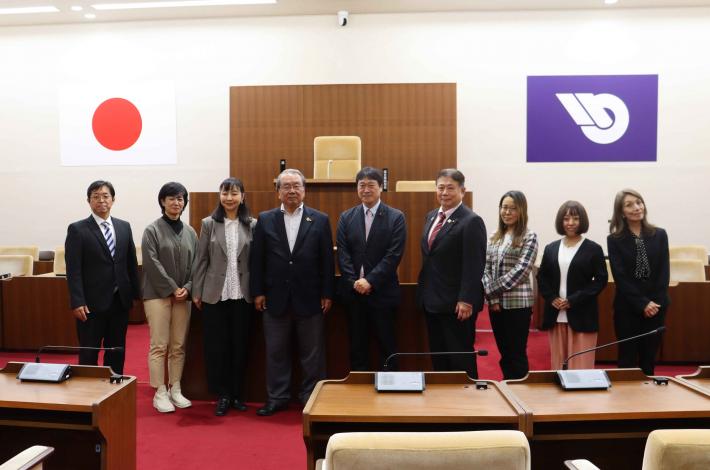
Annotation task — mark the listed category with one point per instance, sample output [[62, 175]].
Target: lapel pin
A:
[[308, 219]]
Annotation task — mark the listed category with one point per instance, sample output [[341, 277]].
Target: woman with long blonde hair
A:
[[510, 255]]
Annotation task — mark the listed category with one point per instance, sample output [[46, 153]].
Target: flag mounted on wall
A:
[[117, 124]]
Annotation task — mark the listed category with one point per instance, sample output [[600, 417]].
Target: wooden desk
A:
[[608, 427], [90, 422], [450, 402], [700, 379], [35, 313]]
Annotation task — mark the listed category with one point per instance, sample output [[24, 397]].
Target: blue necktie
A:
[[109, 238]]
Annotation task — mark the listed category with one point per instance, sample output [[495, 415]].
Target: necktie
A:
[[435, 232], [109, 238], [369, 217]]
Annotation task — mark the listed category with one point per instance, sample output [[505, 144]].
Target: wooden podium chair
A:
[[28, 459], [501, 450], [337, 157]]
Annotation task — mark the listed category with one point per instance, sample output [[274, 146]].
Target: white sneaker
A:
[[161, 401], [178, 398]]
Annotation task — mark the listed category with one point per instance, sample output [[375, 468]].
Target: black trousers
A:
[[364, 318], [227, 326], [511, 328], [641, 352], [448, 334], [109, 327], [310, 336]]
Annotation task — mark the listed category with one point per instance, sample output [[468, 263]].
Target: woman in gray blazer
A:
[[169, 248], [221, 290]]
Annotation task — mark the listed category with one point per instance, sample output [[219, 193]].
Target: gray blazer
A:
[[210, 267]]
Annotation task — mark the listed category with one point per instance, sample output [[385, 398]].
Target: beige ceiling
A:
[[312, 7]]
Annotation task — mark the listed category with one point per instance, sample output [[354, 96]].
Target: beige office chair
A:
[[31, 250], [424, 186], [29, 459], [687, 270], [60, 266], [17, 265], [668, 449], [608, 271], [698, 252], [500, 450], [336, 157]]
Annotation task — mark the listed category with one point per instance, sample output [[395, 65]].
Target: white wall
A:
[[489, 55]]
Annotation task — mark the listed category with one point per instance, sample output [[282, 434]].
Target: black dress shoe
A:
[[238, 405], [270, 408], [222, 406]]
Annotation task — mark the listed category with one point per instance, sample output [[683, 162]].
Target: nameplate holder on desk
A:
[[399, 381], [44, 372], [584, 379]]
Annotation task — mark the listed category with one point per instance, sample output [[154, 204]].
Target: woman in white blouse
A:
[[571, 276], [221, 289]]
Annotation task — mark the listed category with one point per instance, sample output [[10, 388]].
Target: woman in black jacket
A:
[[638, 254], [571, 276]]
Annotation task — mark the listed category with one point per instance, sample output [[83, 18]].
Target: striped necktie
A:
[[435, 232], [109, 238]]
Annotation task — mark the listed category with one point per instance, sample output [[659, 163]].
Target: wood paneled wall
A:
[[408, 128]]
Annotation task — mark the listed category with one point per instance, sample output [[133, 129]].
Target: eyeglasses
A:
[[288, 187], [508, 209], [100, 197]]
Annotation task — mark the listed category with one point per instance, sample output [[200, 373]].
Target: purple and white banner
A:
[[595, 118]]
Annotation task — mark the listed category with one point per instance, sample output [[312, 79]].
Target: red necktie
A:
[[435, 232]]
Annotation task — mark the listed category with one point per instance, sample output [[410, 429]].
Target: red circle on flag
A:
[[117, 124]]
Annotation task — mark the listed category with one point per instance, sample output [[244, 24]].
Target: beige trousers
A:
[[169, 321], [565, 341]]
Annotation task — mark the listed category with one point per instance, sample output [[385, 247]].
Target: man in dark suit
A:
[[102, 275], [370, 239], [450, 290], [292, 282]]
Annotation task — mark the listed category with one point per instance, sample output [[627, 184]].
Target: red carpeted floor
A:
[[195, 439]]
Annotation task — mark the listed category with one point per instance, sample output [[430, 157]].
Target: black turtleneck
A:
[[176, 225]]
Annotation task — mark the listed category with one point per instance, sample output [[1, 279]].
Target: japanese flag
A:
[[117, 124]]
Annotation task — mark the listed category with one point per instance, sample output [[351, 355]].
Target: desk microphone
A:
[[477, 352], [658, 330], [75, 348]]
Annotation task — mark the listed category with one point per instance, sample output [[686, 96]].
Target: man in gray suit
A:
[[292, 277]]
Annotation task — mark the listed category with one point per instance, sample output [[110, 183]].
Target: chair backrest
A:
[[29, 459], [500, 450], [17, 265], [60, 266], [673, 449], [687, 270], [608, 271], [31, 250], [336, 157], [424, 186], [139, 255], [698, 252]]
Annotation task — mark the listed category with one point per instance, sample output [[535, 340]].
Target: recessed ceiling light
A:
[[25, 10], [77, 8], [177, 4], [610, 2], [89, 16]]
